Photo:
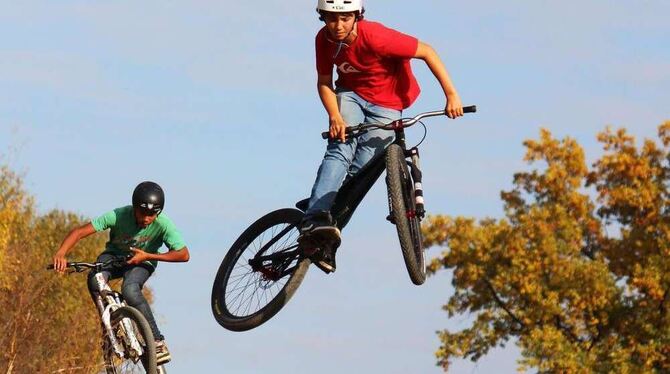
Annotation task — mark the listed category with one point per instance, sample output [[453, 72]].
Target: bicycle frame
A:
[[355, 188], [353, 191]]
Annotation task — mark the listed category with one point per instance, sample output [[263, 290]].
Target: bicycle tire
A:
[[147, 361], [402, 206], [266, 229]]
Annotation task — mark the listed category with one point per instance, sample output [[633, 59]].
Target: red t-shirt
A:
[[375, 66]]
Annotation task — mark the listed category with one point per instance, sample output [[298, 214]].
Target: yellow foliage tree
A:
[[48, 323], [577, 273]]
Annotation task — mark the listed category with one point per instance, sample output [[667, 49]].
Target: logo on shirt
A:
[[346, 67]]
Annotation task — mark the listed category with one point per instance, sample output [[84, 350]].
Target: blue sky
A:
[[217, 102]]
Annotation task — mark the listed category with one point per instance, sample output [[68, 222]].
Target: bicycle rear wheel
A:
[[126, 323], [402, 207], [260, 273]]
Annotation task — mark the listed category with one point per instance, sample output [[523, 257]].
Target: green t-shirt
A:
[[125, 233]]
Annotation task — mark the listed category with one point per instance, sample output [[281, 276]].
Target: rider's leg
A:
[[133, 282], [337, 160], [320, 230], [374, 141], [92, 283]]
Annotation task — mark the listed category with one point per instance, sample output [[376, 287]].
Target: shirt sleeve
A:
[[105, 221], [324, 65], [388, 42], [172, 238]]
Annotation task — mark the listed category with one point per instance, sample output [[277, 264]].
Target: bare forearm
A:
[[329, 100], [434, 63], [70, 240], [454, 108], [181, 255], [73, 237]]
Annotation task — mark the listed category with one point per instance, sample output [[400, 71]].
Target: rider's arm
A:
[[426, 53], [70, 240], [337, 126], [179, 255]]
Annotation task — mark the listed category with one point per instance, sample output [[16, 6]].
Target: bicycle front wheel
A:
[[260, 273], [133, 333], [402, 207]]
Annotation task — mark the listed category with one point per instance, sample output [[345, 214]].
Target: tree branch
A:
[[502, 305], [566, 329]]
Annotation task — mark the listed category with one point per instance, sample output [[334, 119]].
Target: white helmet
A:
[[340, 6]]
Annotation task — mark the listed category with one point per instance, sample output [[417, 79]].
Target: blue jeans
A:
[[346, 159], [134, 277]]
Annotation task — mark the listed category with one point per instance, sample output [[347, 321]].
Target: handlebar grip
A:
[[470, 109], [51, 266], [326, 134]]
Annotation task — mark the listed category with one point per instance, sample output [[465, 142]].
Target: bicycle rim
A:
[[244, 297]]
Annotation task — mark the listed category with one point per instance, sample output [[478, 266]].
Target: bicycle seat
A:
[[302, 204]]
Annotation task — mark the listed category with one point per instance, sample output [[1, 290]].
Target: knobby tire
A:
[[402, 205]]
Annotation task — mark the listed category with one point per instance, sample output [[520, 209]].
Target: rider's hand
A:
[[454, 107], [60, 262], [338, 129], [139, 256]]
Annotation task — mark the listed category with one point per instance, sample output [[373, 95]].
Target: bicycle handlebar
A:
[[90, 265], [401, 123], [80, 266]]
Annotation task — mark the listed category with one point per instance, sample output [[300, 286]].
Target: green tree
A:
[[48, 323], [577, 273]]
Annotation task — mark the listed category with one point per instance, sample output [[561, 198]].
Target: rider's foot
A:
[[162, 353], [319, 238], [320, 221], [316, 228]]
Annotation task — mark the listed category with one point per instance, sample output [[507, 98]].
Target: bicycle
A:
[[265, 265], [128, 343]]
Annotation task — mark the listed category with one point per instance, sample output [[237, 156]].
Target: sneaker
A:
[[317, 228], [162, 353], [319, 240], [314, 221]]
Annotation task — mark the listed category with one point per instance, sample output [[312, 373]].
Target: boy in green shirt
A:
[[137, 230]]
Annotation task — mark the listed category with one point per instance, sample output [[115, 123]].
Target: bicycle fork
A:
[[113, 303], [105, 316], [415, 171]]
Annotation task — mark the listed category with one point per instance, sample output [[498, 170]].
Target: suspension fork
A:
[[105, 315], [415, 171]]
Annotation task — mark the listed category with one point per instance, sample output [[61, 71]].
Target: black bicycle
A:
[[128, 343], [265, 265]]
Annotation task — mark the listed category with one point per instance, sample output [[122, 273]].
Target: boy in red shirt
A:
[[375, 83]]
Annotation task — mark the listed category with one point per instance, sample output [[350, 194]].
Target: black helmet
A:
[[149, 196]]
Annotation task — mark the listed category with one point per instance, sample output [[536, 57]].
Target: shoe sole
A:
[[317, 236]]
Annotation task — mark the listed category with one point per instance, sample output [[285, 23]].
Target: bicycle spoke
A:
[[248, 291]]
